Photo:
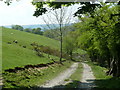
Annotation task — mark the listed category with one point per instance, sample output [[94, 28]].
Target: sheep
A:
[[9, 42], [15, 41], [24, 46]]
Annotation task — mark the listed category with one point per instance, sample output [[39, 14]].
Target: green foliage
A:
[[86, 7], [27, 30], [40, 9], [37, 31], [69, 43], [52, 33], [17, 27], [40, 49], [80, 51], [98, 35]]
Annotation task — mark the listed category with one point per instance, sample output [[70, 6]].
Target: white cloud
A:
[[17, 13]]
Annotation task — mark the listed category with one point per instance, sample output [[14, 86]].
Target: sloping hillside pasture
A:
[[14, 54]]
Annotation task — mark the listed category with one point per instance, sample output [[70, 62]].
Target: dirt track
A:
[[60, 79], [87, 77], [87, 81]]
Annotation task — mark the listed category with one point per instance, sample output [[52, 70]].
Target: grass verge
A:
[[31, 78], [102, 80]]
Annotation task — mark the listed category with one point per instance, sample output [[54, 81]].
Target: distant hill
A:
[[14, 54], [42, 26]]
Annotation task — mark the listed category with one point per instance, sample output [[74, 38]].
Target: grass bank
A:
[[102, 80], [32, 78]]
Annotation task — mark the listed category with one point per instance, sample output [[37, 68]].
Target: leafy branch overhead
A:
[[84, 8]]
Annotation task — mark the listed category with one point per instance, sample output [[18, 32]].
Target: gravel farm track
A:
[[87, 81]]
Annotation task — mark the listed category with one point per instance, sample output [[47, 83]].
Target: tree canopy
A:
[[84, 8], [99, 36], [17, 27]]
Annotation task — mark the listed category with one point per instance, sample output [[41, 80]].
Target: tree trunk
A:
[[115, 64], [71, 55], [118, 67], [61, 40], [113, 68], [108, 62]]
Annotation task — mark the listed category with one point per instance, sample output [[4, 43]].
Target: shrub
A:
[[48, 50]]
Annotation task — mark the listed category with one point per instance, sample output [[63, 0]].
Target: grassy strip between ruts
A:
[[102, 80], [32, 78], [75, 78]]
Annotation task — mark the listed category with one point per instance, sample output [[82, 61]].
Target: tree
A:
[[59, 17], [85, 7], [108, 38], [37, 31], [99, 36], [69, 43], [27, 30], [17, 27], [53, 33]]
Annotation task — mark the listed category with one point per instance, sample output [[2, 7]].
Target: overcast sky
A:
[[18, 13]]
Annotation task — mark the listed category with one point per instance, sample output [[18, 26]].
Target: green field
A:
[[15, 55]]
